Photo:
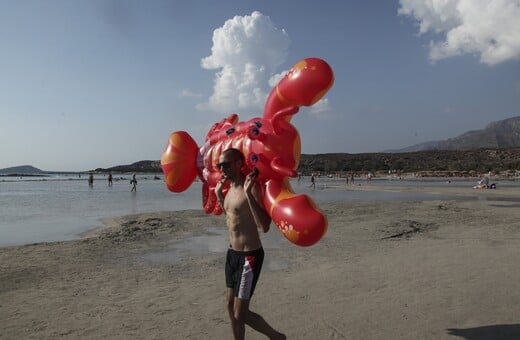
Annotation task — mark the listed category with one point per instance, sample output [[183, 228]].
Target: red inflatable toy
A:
[[271, 144]]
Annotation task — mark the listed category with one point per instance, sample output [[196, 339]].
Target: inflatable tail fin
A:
[[179, 161], [296, 216]]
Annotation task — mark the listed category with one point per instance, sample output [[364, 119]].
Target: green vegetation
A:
[[448, 162], [456, 161]]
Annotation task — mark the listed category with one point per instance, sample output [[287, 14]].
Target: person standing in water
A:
[[313, 184], [133, 182]]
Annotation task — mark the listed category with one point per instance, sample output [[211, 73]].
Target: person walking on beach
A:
[[91, 179], [110, 179], [245, 214], [313, 185], [133, 182]]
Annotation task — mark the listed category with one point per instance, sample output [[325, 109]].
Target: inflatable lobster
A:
[[271, 144]]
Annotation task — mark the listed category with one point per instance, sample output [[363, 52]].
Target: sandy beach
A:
[[386, 270]]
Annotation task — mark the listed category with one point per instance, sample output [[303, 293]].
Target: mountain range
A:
[[497, 146], [500, 134]]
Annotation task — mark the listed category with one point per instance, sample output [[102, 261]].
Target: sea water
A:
[[57, 208], [62, 207]]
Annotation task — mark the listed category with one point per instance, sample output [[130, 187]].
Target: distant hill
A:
[[479, 160], [141, 166], [500, 134], [456, 162], [21, 170], [495, 147]]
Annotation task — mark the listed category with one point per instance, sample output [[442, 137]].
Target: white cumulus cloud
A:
[[275, 78], [321, 106], [189, 94], [488, 28], [245, 54]]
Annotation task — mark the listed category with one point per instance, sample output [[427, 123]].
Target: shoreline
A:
[[384, 270]]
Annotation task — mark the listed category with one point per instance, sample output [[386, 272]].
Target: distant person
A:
[[484, 182], [352, 178], [133, 182], [110, 179], [91, 179], [313, 184]]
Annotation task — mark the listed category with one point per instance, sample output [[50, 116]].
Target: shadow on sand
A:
[[493, 332]]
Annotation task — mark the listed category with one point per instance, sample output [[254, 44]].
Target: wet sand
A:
[[386, 270]]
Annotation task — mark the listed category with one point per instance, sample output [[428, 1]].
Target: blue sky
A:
[[87, 84]]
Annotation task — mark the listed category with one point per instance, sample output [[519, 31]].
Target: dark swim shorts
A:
[[243, 270]]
